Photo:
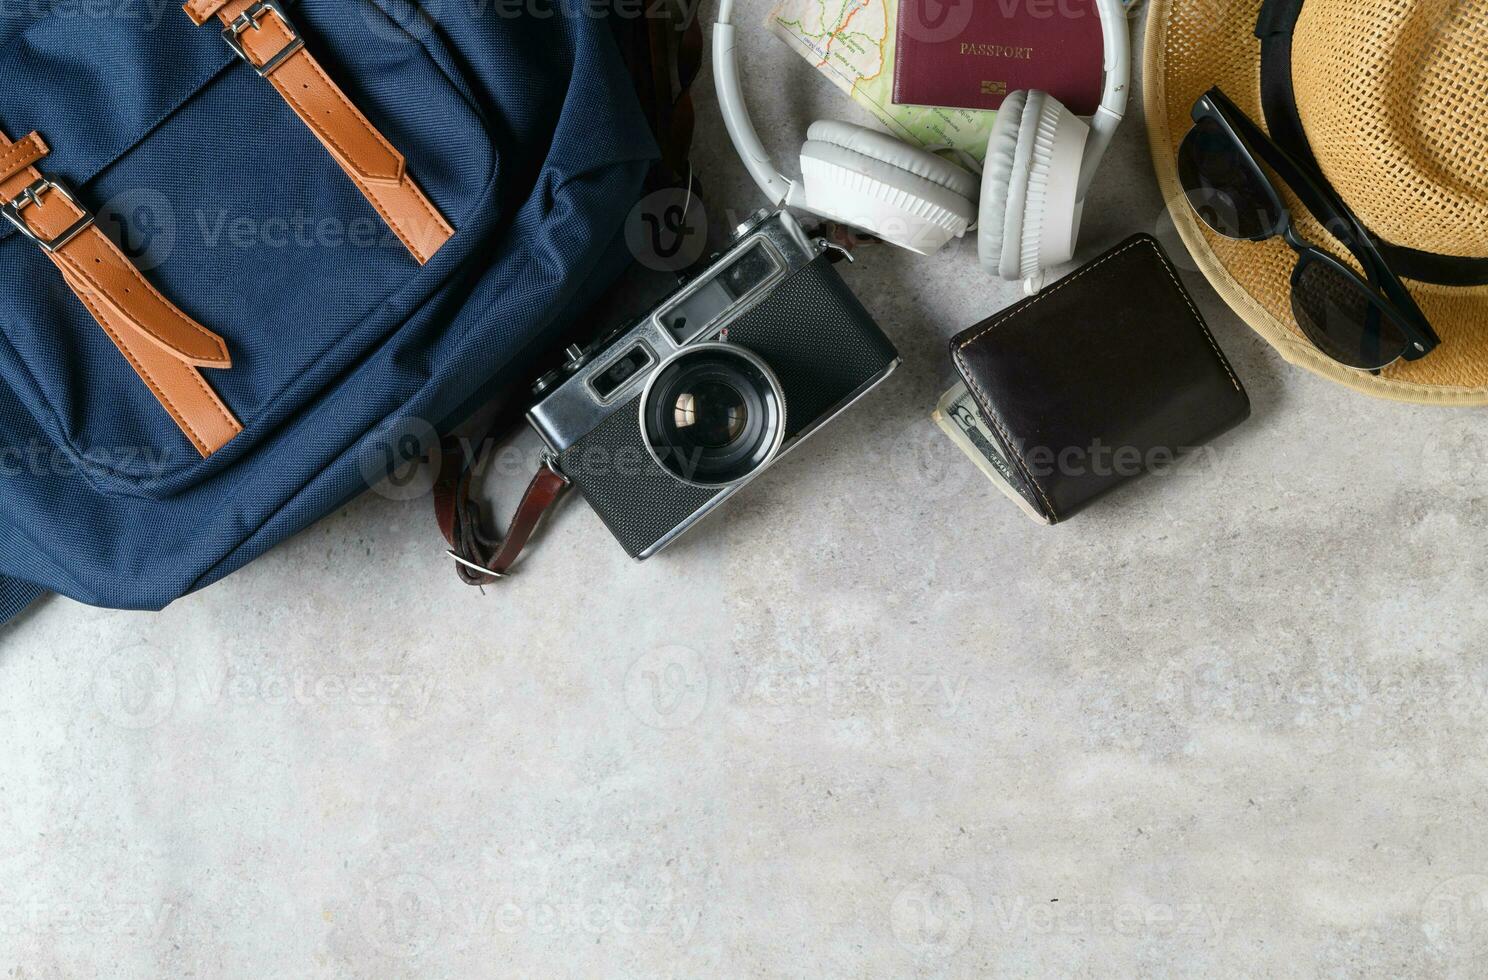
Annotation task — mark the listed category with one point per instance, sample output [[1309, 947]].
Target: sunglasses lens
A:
[[1340, 315], [1223, 187]]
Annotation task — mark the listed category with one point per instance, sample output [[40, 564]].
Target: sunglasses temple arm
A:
[[1333, 213], [1324, 205]]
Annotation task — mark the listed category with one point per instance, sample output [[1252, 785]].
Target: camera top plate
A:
[[766, 250]]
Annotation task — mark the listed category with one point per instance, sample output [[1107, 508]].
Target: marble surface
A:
[[870, 721]]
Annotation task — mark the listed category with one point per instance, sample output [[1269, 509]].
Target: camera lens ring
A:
[[738, 406]]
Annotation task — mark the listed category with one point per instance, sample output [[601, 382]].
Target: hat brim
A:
[[1219, 48]]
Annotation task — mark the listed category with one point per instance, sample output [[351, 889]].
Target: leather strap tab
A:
[[29, 149], [163, 345], [202, 11], [94, 265], [269, 42], [479, 559]]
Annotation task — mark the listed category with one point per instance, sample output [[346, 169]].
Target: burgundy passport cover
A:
[[969, 54]]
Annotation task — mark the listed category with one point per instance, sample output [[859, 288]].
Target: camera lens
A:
[[713, 414]]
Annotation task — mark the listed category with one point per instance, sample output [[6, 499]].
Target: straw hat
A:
[[1393, 97]]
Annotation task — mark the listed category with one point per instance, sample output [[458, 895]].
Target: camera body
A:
[[660, 422]]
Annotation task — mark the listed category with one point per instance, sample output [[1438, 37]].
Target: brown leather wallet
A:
[[1107, 374]]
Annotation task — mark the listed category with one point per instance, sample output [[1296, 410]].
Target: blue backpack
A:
[[247, 240]]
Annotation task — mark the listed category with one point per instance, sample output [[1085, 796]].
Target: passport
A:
[[969, 54]]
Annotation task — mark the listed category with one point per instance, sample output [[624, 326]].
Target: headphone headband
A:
[[781, 190], [776, 186]]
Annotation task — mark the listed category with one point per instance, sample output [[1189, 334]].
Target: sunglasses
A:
[[1363, 321]]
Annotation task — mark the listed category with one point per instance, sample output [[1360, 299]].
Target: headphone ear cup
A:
[[871, 180], [1051, 215], [896, 153], [1028, 214], [996, 208]]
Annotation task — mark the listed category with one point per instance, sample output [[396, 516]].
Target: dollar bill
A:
[[961, 418]]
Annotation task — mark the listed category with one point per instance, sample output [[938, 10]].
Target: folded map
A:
[[852, 43]]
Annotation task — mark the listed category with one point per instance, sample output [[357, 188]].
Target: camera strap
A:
[[480, 558], [664, 52]]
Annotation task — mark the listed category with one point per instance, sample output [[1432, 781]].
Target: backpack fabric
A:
[[522, 128]]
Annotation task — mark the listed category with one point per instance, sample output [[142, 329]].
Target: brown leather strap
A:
[[480, 559], [267, 39], [28, 150], [664, 52], [163, 345]]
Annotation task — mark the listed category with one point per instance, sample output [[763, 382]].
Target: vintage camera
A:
[[662, 420]]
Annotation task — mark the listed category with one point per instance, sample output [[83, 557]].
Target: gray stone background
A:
[[868, 722]]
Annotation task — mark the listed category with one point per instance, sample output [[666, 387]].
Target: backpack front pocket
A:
[[233, 208]]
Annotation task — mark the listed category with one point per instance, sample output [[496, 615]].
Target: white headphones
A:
[[1027, 205]]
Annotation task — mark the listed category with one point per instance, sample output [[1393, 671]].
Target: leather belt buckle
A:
[[13, 211], [233, 35]]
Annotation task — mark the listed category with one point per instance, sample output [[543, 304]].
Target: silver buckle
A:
[[233, 35], [31, 197], [478, 569]]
